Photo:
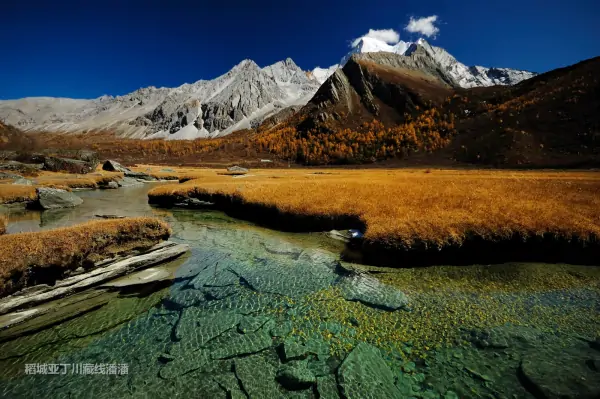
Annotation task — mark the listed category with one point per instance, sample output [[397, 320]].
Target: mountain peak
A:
[[245, 64]]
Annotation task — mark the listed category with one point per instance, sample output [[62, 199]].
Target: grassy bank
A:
[[28, 259], [3, 223], [415, 211], [10, 193]]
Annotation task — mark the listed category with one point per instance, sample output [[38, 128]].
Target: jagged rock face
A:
[[238, 99], [455, 73], [380, 85]]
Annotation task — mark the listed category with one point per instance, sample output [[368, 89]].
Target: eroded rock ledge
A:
[[13, 309]]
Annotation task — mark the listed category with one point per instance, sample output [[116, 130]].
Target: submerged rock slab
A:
[[186, 362], [296, 375], [372, 292], [364, 374], [197, 327], [506, 336], [291, 277], [236, 344], [562, 373], [257, 375], [327, 387], [230, 383]]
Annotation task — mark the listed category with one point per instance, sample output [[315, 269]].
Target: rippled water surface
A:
[[264, 314]]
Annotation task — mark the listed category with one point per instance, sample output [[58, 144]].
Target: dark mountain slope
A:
[[550, 120]]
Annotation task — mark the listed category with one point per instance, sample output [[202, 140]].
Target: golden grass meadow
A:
[[406, 206]]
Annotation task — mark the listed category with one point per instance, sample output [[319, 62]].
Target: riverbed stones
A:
[[370, 291], [52, 198], [364, 374]]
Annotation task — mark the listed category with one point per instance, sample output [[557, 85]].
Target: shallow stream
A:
[[258, 313]]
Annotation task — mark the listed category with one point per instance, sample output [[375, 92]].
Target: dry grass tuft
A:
[[3, 224], [10, 193], [406, 207], [29, 258]]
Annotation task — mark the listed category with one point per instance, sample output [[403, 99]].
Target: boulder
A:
[[372, 292], [113, 166], [139, 176], [129, 182], [52, 198], [76, 166], [22, 167], [364, 374], [110, 185], [237, 170]]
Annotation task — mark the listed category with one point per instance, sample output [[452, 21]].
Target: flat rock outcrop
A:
[[53, 198]]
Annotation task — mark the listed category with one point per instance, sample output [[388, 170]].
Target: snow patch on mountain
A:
[[321, 74]]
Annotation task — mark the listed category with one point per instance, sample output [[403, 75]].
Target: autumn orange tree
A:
[[429, 131]]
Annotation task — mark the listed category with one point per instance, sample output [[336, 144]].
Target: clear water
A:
[[263, 314]]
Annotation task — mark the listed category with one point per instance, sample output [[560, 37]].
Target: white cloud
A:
[[389, 36], [424, 26]]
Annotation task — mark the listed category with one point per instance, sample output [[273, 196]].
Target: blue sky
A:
[[87, 48]]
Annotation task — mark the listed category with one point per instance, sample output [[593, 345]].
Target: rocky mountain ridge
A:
[[239, 99]]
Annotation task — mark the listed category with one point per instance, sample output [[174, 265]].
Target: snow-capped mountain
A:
[[461, 75], [239, 99]]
